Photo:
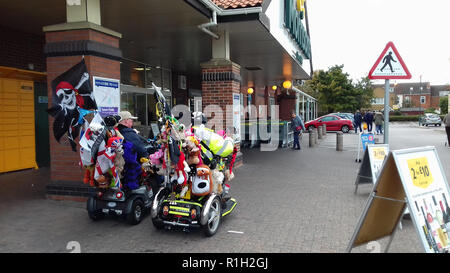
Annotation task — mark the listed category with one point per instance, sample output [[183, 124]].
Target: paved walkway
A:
[[288, 201]]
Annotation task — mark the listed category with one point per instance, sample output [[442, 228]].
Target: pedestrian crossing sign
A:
[[389, 65]]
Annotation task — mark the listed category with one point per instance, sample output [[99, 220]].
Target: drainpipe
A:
[[213, 22], [221, 12]]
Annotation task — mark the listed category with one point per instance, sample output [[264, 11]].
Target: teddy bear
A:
[[193, 151], [217, 177]]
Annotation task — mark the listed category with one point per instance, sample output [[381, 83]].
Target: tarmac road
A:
[[288, 202]]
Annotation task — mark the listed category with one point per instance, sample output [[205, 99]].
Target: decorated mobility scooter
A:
[[123, 184], [196, 164]]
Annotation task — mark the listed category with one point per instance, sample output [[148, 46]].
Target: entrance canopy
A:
[[166, 34]]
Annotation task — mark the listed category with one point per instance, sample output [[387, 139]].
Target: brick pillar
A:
[[221, 78], [64, 48]]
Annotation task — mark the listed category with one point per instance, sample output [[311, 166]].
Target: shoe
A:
[[297, 149]]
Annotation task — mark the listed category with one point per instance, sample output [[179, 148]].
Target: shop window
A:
[[137, 92]]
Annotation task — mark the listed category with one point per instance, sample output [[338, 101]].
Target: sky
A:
[[354, 33]]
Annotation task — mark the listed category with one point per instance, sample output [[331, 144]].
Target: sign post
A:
[[414, 179], [389, 65]]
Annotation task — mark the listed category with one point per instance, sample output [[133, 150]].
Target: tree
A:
[[335, 92], [443, 104]]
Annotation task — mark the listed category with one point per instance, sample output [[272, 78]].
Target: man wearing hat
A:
[[126, 129]]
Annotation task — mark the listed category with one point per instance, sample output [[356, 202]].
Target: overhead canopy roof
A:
[[165, 33]]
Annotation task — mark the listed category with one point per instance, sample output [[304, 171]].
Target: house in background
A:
[[410, 98], [378, 99]]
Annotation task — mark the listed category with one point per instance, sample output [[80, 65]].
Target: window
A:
[[329, 118], [137, 92], [423, 99], [378, 101]]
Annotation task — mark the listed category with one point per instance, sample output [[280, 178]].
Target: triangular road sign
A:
[[389, 65]]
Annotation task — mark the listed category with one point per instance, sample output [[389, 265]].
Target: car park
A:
[[332, 122], [430, 119]]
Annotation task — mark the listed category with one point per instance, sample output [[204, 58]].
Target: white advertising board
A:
[[377, 154], [107, 95], [427, 192]]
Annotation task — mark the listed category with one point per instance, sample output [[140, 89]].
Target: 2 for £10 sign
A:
[[420, 172]]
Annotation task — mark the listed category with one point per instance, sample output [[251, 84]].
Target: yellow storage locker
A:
[[17, 132]]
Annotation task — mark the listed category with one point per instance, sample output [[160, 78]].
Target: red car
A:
[[333, 123]]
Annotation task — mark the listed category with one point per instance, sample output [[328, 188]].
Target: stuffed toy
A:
[[87, 141], [132, 169], [218, 178], [202, 183], [193, 151], [217, 144], [156, 161], [105, 166], [181, 174], [229, 175]]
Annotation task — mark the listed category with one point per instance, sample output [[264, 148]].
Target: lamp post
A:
[[420, 96]]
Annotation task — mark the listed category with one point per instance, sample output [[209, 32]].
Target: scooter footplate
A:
[[230, 205]]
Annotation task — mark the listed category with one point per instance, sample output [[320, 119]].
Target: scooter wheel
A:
[[136, 213], [158, 225], [214, 218], [96, 215]]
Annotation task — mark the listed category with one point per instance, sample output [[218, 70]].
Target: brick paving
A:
[[288, 202]]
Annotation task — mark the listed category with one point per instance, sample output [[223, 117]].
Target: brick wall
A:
[[221, 79], [65, 162], [18, 49], [220, 92]]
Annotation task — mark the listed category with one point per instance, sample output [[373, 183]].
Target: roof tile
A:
[[234, 4]]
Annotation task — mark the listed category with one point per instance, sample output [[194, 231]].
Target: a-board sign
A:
[[366, 138], [372, 162], [412, 178]]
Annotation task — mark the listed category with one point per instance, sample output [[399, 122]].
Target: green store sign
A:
[[293, 22]]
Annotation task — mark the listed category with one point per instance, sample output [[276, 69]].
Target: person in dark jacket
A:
[[297, 126], [130, 135], [358, 119], [368, 117]]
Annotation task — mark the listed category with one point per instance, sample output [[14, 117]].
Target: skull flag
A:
[[72, 90]]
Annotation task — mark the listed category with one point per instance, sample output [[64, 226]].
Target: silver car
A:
[[430, 119]]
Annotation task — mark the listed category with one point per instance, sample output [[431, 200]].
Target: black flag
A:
[[72, 90]]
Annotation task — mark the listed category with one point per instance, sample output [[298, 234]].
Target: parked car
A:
[[430, 119], [332, 122], [349, 116]]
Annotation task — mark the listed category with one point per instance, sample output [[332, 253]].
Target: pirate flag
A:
[[72, 91]]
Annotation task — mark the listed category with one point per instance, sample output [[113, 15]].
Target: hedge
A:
[[407, 118]]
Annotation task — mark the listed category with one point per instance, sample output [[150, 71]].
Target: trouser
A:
[[447, 130], [358, 125], [369, 126], [296, 140], [379, 129]]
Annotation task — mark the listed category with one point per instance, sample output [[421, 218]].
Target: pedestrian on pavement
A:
[[447, 127], [297, 126], [368, 117], [379, 118], [126, 129], [358, 119]]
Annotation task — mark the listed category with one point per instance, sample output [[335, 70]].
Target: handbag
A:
[[298, 128]]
